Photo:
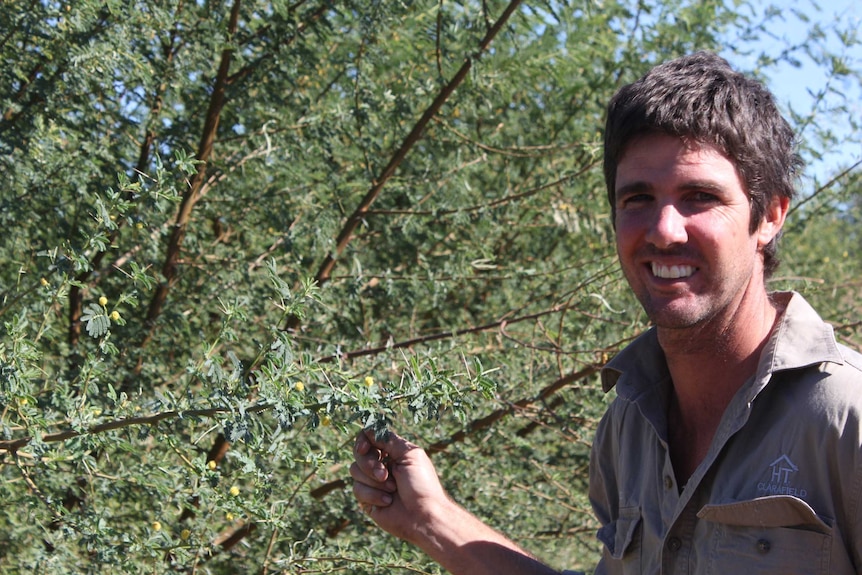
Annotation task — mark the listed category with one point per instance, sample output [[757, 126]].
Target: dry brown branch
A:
[[191, 195]]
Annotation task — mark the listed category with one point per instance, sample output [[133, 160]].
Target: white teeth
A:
[[671, 272]]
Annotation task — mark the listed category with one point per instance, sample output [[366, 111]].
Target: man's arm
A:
[[397, 486]]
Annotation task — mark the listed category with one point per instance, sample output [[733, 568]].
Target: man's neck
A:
[[715, 358], [708, 364]]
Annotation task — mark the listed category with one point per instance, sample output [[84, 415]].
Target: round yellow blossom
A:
[[234, 490], [299, 386], [228, 516], [44, 282], [157, 526], [369, 381], [139, 225], [211, 465], [826, 260], [115, 315], [103, 301], [185, 534], [326, 421]]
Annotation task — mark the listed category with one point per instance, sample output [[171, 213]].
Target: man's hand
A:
[[395, 483]]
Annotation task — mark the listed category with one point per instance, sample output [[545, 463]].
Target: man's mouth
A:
[[671, 272]]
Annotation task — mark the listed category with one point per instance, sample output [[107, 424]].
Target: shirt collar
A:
[[800, 339]]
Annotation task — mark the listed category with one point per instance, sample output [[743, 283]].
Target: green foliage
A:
[[238, 234]]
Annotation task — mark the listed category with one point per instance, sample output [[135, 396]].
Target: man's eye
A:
[[704, 197], [635, 200]]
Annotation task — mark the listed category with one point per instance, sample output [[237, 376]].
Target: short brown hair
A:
[[699, 97]]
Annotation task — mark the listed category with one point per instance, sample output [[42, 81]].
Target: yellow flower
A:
[[325, 421], [299, 386], [369, 381], [234, 490], [185, 534], [139, 225], [103, 301], [115, 315], [228, 516], [157, 526], [44, 282], [211, 464]]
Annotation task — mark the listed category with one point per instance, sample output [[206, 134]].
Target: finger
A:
[[359, 471], [371, 456], [368, 495], [361, 446]]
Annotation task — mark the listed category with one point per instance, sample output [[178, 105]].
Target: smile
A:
[[671, 272]]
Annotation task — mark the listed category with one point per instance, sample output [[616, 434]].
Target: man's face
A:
[[682, 223]]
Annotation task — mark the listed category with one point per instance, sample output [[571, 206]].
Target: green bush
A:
[[237, 234]]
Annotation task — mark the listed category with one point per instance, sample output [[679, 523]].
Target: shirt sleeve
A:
[[603, 493]]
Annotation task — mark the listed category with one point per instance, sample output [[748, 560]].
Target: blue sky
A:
[[794, 86]]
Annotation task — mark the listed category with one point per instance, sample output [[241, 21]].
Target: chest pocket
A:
[[776, 534], [621, 539]]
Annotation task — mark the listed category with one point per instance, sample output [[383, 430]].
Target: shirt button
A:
[[674, 543], [668, 482], [763, 546]]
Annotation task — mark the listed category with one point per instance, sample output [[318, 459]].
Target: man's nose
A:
[[667, 227]]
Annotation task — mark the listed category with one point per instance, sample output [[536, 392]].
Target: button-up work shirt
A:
[[780, 490]]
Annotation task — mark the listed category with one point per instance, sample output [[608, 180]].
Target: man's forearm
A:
[[463, 545]]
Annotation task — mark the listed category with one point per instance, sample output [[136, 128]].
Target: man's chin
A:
[[674, 314]]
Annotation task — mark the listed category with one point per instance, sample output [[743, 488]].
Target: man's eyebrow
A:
[[640, 186], [706, 185]]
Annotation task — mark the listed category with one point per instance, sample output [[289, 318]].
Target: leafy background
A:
[[238, 232]]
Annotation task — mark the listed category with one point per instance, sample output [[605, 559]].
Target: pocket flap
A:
[[770, 511]]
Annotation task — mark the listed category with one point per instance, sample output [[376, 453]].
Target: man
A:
[[734, 444]]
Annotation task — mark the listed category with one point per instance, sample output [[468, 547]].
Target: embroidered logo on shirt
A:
[[782, 473]]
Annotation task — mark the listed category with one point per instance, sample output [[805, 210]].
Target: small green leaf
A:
[[96, 319]]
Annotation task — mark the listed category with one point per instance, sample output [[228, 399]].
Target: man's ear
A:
[[773, 220]]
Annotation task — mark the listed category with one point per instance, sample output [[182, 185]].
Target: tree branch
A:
[[13, 445], [346, 235], [479, 424], [191, 196]]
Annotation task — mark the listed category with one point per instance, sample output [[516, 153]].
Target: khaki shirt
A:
[[780, 490]]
